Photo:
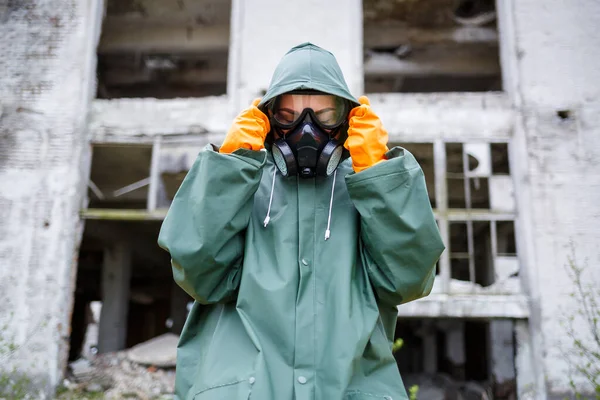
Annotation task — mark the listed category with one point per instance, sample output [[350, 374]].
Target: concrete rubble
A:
[[143, 372]]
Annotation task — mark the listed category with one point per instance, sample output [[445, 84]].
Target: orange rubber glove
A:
[[248, 131], [367, 139]]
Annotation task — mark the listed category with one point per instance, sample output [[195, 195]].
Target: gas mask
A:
[[309, 130]]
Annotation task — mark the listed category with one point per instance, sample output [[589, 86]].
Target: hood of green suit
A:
[[308, 66]]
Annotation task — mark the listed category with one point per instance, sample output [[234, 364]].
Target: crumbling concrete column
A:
[[455, 347], [502, 351], [47, 72], [116, 275], [430, 356]]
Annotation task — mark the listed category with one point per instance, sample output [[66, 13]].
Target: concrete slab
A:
[[160, 351]]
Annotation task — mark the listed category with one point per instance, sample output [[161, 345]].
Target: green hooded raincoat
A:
[[280, 313]]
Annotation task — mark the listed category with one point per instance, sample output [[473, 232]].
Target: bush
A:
[[414, 389], [583, 349]]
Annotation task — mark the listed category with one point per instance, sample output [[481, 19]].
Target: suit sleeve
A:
[[400, 240], [205, 226]]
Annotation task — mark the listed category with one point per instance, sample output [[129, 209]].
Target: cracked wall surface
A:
[[46, 77]]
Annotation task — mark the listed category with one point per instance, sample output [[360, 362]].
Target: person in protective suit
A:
[[297, 255]]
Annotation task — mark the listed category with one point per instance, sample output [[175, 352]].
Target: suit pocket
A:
[[239, 390]]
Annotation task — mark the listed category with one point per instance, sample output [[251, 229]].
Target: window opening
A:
[[430, 46], [164, 49]]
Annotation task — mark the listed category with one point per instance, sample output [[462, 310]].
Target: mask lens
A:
[[286, 116], [329, 110]]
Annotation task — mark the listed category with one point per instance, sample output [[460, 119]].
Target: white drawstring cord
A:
[[328, 232], [268, 218]]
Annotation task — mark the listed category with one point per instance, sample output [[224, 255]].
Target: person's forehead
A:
[[301, 101]]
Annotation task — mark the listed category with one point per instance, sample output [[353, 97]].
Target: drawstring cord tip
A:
[[328, 232], [268, 218]]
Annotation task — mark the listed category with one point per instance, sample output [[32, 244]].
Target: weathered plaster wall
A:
[[46, 81], [552, 64], [264, 30]]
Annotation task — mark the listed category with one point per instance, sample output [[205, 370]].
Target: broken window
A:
[[430, 46], [480, 212], [164, 49], [472, 193], [120, 176], [473, 196], [141, 176], [500, 164]]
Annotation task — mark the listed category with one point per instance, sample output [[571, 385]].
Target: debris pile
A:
[[146, 371]]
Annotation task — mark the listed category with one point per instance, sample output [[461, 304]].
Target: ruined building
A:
[[104, 105]]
